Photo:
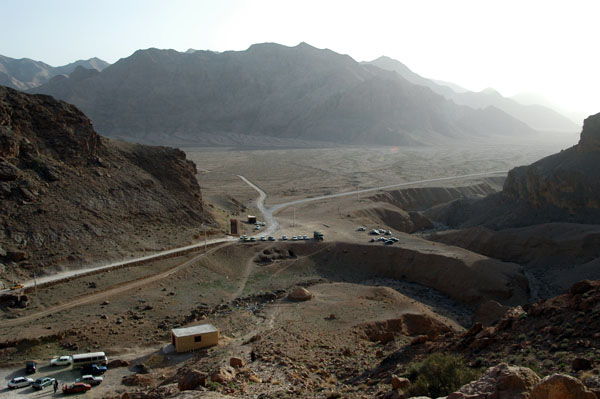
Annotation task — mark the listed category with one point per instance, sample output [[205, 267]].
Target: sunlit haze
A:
[[545, 47]]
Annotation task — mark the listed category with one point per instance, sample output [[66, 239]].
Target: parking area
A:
[[64, 375]]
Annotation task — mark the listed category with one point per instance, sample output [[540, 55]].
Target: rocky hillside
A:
[[269, 90], [24, 73], [71, 196]]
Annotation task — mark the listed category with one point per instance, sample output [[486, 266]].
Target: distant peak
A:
[[491, 90]]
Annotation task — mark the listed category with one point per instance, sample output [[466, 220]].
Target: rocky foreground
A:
[[549, 349], [70, 196]]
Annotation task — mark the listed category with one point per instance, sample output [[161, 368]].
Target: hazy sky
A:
[[549, 47]]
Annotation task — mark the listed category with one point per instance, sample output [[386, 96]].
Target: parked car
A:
[[361, 228], [30, 367], [43, 382], [19, 382], [284, 238], [90, 379], [93, 369], [76, 387], [271, 238], [17, 287], [61, 361], [263, 238]]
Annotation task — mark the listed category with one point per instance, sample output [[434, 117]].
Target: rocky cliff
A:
[[70, 196], [563, 187], [568, 182]]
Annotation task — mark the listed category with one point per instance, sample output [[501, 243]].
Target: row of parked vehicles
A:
[[317, 235], [85, 362]]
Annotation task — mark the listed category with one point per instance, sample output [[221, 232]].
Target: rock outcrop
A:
[[501, 382], [559, 386], [563, 187], [590, 136], [71, 196]]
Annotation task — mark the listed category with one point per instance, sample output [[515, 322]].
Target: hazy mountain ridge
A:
[[537, 116], [270, 90], [25, 73]]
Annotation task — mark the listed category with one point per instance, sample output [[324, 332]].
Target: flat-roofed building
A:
[[186, 339]]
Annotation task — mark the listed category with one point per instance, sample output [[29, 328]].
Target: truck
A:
[[318, 235]]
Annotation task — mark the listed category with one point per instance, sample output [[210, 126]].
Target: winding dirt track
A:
[[118, 289]]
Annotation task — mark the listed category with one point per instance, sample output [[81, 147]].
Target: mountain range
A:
[[24, 73], [537, 116], [269, 91]]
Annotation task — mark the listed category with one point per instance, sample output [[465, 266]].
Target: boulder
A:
[[139, 380], [400, 382], [16, 256], [560, 386], [581, 287], [223, 375], [581, 363], [300, 294], [501, 382], [192, 380], [237, 362], [419, 339], [8, 171], [113, 364]]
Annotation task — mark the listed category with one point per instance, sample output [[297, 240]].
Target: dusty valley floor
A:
[[242, 287]]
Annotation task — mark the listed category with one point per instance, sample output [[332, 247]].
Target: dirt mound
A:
[[113, 197]]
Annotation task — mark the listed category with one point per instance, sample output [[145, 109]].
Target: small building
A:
[[251, 219], [189, 338], [234, 227]]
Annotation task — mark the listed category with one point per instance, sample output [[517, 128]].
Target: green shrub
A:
[[439, 375]]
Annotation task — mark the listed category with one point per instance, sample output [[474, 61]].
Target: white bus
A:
[[81, 359]]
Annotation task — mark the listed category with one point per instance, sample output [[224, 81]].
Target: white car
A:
[[61, 361], [284, 238], [90, 379], [263, 238], [20, 382]]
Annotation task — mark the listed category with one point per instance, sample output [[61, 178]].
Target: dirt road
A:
[[118, 289]]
